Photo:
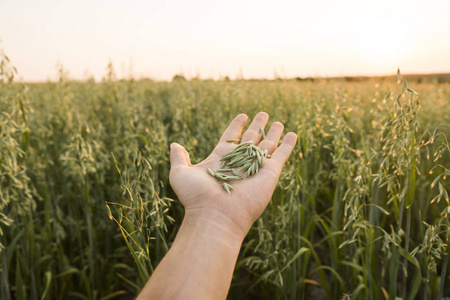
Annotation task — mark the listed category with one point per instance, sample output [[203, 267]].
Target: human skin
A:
[[200, 263]]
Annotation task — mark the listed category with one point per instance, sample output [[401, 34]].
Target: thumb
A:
[[179, 156]]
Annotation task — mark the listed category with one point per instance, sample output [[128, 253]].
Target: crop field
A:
[[361, 210]]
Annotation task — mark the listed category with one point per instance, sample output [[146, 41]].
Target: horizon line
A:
[[182, 76]]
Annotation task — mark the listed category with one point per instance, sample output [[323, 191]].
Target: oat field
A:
[[361, 210]]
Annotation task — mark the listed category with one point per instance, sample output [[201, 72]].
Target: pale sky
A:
[[210, 39]]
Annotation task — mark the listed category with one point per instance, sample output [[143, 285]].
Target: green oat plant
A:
[[360, 210], [372, 186], [16, 191]]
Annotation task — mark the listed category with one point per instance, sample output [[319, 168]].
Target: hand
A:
[[203, 195], [200, 263]]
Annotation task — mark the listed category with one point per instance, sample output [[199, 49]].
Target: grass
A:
[[361, 210]]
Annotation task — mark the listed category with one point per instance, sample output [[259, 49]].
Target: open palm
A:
[[204, 196]]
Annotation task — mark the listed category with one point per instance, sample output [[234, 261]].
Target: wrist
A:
[[214, 225]]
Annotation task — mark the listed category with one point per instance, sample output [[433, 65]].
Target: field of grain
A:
[[361, 210]]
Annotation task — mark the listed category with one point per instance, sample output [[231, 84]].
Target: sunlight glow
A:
[[383, 41], [213, 39]]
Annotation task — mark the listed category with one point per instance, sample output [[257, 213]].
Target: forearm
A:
[[201, 261]]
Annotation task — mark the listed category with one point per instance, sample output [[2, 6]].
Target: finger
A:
[[272, 137], [179, 157], [234, 130], [282, 153], [253, 132]]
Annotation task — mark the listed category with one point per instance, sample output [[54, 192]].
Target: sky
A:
[[214, 39]]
